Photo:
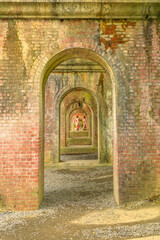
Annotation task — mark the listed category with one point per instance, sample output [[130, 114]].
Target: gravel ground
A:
[[71, 194]]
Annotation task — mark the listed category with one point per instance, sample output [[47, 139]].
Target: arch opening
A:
[[84, 112], [102, 79], [78, 125]]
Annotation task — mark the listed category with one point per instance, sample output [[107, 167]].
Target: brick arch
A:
[[88, 112], [47, 57], [109, 62], [95, 116], [88, 115]]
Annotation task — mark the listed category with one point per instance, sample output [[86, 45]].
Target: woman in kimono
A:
[[84, 123], [77, 123]]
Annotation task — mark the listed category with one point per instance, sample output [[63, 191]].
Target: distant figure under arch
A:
[[77, 123], [84, 123]]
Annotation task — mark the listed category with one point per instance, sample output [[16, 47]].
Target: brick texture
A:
[[130, 50]]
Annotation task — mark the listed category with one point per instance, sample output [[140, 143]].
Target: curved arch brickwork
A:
[[78, 94], [130, 51]]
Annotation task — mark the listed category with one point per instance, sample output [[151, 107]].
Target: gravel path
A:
[[69, 195]]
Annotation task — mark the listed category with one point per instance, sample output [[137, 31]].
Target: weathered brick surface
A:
[[131, 49], [57, 85], [138, 135]]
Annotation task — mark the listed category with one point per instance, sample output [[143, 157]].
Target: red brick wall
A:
[[131, 49], [137, 45]]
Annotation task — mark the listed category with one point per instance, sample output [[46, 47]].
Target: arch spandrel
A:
[[71, 53]]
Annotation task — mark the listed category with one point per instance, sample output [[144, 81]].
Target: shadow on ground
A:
[[79, 205]]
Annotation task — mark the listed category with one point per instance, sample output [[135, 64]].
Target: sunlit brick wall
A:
[[132, 51]]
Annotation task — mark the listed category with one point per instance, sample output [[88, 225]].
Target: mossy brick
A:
[[78, 150], [125, 46], [78, 141], [79, 134]]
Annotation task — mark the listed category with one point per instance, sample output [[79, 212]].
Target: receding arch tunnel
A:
[[89, 87], [79, 72], [79, 104]]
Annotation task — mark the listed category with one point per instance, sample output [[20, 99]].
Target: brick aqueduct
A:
[[60, 59]]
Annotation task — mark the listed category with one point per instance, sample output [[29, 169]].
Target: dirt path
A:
[[79, 205]]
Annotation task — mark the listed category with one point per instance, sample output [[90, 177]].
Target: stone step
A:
[[78, 141], [78, 149], [78, 134], [79, 163], [87, 156]]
